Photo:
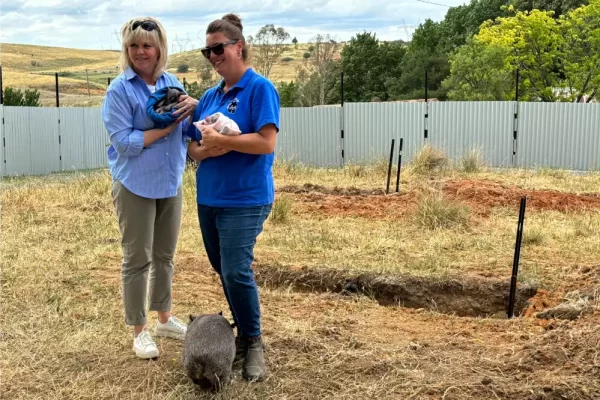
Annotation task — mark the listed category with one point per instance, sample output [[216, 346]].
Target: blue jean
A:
[[229, 236]]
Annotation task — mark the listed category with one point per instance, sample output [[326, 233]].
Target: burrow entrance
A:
[[465, 297]]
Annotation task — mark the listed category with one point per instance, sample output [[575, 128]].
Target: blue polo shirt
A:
[[238, 179]]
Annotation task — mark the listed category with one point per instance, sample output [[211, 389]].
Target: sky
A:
[[94, 24]]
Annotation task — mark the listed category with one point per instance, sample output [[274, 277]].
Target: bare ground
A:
[[330, 333]]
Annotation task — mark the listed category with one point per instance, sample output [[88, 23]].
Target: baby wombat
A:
[[209, 351], [168, 102]]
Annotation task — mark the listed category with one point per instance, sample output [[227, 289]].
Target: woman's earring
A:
[[240, 56]]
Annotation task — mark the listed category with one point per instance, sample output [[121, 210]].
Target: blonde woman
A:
[[147, 166]]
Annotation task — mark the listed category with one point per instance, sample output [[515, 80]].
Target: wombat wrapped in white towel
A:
[[220, 123]]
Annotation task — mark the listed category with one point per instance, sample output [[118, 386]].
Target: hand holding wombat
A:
[[168, 102], [220, 123], [209, 351]]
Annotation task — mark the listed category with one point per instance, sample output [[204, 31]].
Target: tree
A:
[[295, 41], [16, 97], [206, 79], [462, 22], [323, 63], [308, 88], [479, 72], [368, 64], [532, 41], [580, 55], [559, 7], [550, 53], [288, 94], [426, 51], [268, 46]]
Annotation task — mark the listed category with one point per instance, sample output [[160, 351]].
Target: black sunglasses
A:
[[218, 48], [146, 25]]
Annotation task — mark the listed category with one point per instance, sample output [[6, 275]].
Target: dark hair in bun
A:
[[231, 26], [234, 20]]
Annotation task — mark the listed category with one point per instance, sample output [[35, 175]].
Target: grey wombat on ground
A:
[[168, 102], [209, 351]]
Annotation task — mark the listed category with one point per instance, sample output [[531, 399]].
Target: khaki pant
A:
[[149, 230]]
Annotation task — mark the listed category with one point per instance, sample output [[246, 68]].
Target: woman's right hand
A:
[[199, 153]]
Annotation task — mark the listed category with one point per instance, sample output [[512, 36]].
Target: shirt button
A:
[[167, 153]]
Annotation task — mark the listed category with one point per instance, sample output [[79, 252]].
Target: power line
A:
[[437, 4]]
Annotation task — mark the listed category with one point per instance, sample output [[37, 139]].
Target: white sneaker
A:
[[173, 328], [144, 346]]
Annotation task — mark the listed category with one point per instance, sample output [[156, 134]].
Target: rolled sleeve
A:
[[117, 115], [265, 106]]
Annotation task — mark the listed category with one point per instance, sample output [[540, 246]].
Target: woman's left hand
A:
[[210, 137], [185, 107]]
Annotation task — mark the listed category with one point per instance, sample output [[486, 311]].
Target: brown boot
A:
[[255, 368]]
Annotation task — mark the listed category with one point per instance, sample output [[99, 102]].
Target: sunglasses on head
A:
[[218, 48], [146, 25]]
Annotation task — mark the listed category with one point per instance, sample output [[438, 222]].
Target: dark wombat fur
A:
[[209, 351], [168, 102]]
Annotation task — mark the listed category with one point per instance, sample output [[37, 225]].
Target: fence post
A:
[[426, 106], [342, 114], [515, 119], [59, 133], [56, 79], [1, 87]]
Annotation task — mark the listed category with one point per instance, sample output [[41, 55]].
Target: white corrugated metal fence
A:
[[559, 135]]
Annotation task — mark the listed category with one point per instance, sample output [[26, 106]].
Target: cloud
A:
[[91, 24]]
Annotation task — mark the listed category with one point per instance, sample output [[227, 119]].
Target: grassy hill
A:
[[28, 66]]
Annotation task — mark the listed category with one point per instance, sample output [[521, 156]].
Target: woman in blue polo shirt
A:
[[235, 187]]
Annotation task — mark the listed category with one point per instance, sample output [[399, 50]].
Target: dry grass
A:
[[428, 160], [282, 71], [436, 211], [62, 334], [472, 161], [281, 209], [28, 66]]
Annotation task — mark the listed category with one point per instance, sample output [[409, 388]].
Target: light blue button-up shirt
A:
[[155, 171]]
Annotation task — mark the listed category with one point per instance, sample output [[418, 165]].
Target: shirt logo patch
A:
[[232, 106]]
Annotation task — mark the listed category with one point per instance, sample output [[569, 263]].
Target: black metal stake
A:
[[515, 271], [1, 88], [387, 190], [56, 79], [517, 85], [342, 88], [426, 79], [399, 163]]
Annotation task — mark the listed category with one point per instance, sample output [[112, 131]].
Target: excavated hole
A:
[[465, 297]]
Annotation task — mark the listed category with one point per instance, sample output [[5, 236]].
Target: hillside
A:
[[29, 66]]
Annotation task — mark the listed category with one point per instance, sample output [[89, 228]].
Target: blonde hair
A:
[[157, 37]]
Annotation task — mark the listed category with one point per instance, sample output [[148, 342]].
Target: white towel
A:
[[220, 123]]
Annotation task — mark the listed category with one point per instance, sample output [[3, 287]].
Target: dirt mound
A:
[[462, 297], [312, 188], [485, 194], [542, 301], [379, 207]]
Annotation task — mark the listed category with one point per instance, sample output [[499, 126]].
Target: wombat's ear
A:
[[191, 317]]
